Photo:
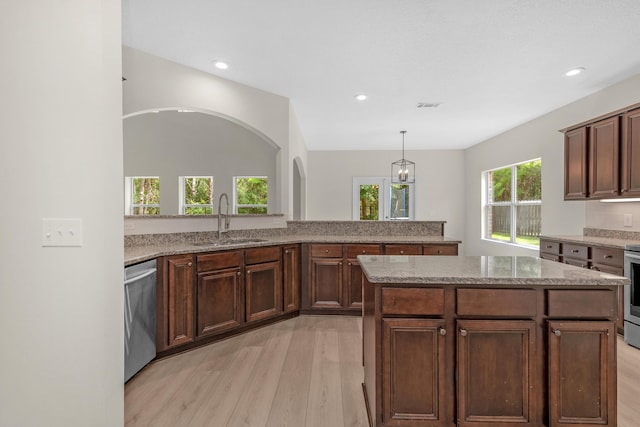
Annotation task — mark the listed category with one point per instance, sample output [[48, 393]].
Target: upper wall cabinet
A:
[[602, 157], [630, 177]]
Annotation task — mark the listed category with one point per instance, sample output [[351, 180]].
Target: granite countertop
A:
[[140, 253], [480, 270], [610, 242]]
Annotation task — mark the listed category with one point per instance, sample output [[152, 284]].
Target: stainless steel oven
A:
[[632, 295]]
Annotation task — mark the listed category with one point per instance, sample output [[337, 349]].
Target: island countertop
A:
[[480, 270]]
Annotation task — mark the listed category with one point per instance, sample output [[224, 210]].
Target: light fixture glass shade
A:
[[403, 171]]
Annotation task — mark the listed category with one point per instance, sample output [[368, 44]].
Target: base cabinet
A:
[[176, 326], [582, 393], [414, 369], [263, 297], [291, 278], [219, 296], [496, 372], [478, 357]]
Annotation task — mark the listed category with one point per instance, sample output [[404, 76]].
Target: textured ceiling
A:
[[493, 64]]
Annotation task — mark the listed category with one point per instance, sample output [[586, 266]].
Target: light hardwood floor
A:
[[305, 371]]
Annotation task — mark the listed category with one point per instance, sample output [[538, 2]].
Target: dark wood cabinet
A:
[[353, 273], [575, 164], [440, 249], [602, 156], [176, 316], [401, 249], [630, 155], [582, 393], [291, 278], [595, 257], [496, 372], [219, 295], [414, 370], [326, 283], [219, 301], [604, 146], [263, 295]]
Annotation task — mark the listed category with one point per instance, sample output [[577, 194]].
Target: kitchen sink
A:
[[229, 242]]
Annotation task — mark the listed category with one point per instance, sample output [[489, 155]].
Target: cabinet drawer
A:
[[219, 260], [550, 257], [414, 301], [260, 255], [594, 304], [576, 262], [609, 256], [440, 249], [403, 250], [515, 303], [326, 251], [575, 251], [550, 247], [618, 271], [355, 250]]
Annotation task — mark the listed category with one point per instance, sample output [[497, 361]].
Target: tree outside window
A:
[[250, 195], [196, 195], [143, 195], [514, 216]]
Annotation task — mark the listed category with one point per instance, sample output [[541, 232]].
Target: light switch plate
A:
[[61, 232], [628, 220]]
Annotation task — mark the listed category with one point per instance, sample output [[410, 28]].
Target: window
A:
[[377, 199], [250, 195], [142, 195], [513, 203], [196, 195]]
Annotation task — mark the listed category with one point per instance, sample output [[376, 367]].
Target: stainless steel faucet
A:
[[227, 220]]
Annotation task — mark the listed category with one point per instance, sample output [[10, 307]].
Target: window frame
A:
[[384, 197], [129, 192], [182, 205], [237, 205], [514, 203]]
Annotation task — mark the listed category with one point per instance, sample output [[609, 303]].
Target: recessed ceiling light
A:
[[221, 65], [360, 97], [574, 72]]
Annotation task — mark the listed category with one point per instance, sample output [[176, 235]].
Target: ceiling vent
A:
[[428, 104]]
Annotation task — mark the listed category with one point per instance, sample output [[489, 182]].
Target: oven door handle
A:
[[631, 256]]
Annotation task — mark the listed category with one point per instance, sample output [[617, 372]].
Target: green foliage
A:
[[146, 191], [530, 180], [198, 190], [369, 202], [252, 191], [501, 184]]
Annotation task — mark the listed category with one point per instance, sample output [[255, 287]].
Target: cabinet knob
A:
[[190, 264], [401, 252], [349, 263], [463, 332], [248, 271], [364, 251], [439, 251], [326, 251], [608, 256], [238, 273], [549, 246], [443, 331], [556, 332]]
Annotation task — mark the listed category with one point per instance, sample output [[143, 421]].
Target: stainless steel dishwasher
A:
[[139, 317]]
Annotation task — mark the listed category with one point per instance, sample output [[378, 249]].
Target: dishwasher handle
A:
[[144, 273]]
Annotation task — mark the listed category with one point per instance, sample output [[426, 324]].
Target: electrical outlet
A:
[[628, 220], [61, 232]]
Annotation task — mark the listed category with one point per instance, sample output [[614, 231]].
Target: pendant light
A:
[[403, 170]]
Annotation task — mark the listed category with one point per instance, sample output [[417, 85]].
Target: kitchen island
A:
[[488, 341]]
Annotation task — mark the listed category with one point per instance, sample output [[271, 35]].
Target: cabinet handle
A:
[[439, 251], [593, 267], [340, 263], [349, 264], [326, 251], [463, 332], [190, 264], [575, 251], [556, 332], [364, 251], [549, 246], [608, 256], [401, 252], [443, 331], [238, 273]]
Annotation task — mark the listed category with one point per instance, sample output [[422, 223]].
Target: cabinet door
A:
[[354, 284], [413, 381], [630, 185], [582, 373], [326, 283], [575, 164], [219, 301], [291, 278], [496, 372], [604, 147], [263, 294], [179, 300]]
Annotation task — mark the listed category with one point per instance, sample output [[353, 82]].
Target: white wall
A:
[[169, 144], [61, 315], [439, 183], [153, 83], [540, 138]]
